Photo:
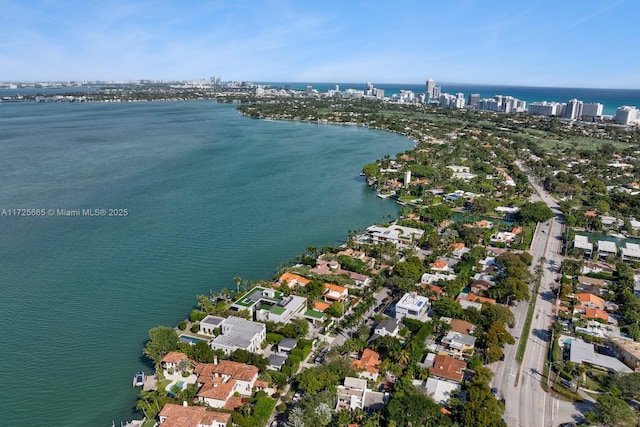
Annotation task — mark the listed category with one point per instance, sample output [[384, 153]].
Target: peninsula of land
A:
[[507, 292]]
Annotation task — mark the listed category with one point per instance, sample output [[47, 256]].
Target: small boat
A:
[[138, 379], [617, 235]]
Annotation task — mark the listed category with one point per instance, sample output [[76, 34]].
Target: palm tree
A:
[[148, 403], [423, 374], [237, 279], [143, 405], [403, 356], [357, 415], [184, 365]]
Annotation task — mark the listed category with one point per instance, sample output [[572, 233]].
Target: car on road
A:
[[567, 384]]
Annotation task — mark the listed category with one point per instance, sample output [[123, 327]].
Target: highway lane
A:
[[526, 404]]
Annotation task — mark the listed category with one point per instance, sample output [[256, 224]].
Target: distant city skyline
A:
[[539, 43]]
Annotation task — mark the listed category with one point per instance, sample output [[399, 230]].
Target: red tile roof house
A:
[[171, 360], [219, 381], [475, 298], [439, 265], [462, 326], [448, 368], [291, 280], [590, 300], [368, 362], [458, 249], [173, 415], [591, 313], [335, 292]]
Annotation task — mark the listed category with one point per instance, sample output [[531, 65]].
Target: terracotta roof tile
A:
[[173, 357], [448, 367], [190, 416]]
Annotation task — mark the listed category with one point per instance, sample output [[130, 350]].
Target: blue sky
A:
[[575, 43]]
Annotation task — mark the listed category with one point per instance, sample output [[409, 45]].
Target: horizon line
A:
[[442, 83]]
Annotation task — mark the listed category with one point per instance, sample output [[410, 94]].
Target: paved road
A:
[[526, 404], [343, 335]]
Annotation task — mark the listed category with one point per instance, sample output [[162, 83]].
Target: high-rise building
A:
[[428, 90], [592, 109], [437, 90], [573, 110], [626, 115], [473, 99], [545, 108], [489, 104], [368, 89]]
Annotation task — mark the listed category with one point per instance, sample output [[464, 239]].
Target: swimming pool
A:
[[179, 385], [189, 339]]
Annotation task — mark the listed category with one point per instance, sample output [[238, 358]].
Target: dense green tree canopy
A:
[[411, 407], [534, 212], [162, 340], [481, 409], [611, 411]]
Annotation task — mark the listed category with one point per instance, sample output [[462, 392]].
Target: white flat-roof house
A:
[[606, 248], [583, 352], [402, 237], [270, 305], [238, 333], [631, 252], [582, 242], [354, 394], [413, 306], [461, 172], [209, 323], [441, 391]]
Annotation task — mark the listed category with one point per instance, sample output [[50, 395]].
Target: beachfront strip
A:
[[572, 110]]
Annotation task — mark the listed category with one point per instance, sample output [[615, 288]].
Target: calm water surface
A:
[[210, 195]]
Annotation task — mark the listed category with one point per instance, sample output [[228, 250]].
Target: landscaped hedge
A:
[[273, 338], [197, 315]]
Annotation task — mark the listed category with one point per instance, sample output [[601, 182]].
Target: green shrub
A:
[[293, 360], [567, 393], [195, 328], [304, 343], [182, 325], [298, 353], [273, 338], [197, 315], [566, 375]]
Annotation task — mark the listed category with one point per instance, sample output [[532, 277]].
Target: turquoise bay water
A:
[[210, 195]]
